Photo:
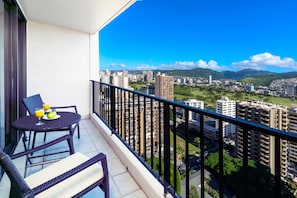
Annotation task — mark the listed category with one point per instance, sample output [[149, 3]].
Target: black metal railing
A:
[[175, 148]]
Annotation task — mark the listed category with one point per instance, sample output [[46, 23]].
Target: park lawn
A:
[[211, 95], [181, 142]]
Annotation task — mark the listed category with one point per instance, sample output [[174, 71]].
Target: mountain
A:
[[198, 72], [204, 73], [256, 77], [245, 73]]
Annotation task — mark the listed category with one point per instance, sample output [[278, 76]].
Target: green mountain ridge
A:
[[256, 77]]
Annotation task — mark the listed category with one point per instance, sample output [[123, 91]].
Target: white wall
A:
[[60, 64]]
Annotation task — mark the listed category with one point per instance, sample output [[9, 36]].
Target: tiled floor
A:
[[91, 142]]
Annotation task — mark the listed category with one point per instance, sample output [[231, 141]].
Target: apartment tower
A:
[[292, 128], [261, 147], [194, 103], [164, 86], [226, 107], [145, 119]]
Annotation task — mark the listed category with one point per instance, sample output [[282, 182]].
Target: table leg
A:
[[70, 144], [26, 146]]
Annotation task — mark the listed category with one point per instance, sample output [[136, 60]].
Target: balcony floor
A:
[[90, 143]]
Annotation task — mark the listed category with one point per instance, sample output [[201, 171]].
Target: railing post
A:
[[112, 107], [277, 167], [245, 163], [187, 152], [93, 96], [201, 118], [166, 145], [221, 160]]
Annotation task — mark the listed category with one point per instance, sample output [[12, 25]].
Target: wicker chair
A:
[[73, 176], [35, 101]]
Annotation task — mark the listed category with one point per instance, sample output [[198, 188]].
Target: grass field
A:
[[210, 95]]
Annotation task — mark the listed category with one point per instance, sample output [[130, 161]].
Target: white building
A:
[[210, 79], [291, 90], [120, 79], [194, 103], [226, 107], [105, 76]]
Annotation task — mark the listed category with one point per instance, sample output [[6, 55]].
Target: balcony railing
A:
[[175, 148]]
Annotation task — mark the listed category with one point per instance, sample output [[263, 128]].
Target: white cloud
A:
[[146, 67], [261, 61], [122, 65], [183, 65], [112, 64]]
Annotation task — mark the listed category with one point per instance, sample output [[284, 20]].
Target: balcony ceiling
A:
[[81, 15]]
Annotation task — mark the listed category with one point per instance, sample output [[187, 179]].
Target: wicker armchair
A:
[[73, 176], [35, 101]]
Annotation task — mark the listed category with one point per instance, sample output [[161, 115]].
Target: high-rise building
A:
[[261, 147], [148, 89], [120, 79], [146, 121], [164, 87], [226, 107], [147, 76], [194, 103], [104, 76], [292, 128], [210, 79], [291, 90]]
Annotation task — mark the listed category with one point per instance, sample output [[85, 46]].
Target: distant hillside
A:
[[245, 73], [267, 79], [257, 77], [261, 80], [198, 72]]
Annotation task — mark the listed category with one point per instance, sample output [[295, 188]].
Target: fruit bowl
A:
[[51, 116]]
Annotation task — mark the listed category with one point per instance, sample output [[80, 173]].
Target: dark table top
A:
[[28, 123]]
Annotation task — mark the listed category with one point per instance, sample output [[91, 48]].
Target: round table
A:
[[66, 121], [28, 123]]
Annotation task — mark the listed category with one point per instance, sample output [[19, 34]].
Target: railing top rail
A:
[[237, 121]]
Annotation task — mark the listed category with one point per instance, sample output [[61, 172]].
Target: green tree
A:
[[173, 169], [193, 192], [197, 141], [259, 177], [180, 151]]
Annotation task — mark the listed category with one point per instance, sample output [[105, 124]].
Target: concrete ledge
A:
[[149, 184]]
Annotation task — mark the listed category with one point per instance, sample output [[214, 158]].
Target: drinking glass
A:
[[39, 112], [46, 108]]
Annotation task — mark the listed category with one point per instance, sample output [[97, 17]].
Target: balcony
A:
[[129, 155], [91, 142], [138, 132]]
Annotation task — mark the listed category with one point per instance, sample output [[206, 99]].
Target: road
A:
[[195, 179]]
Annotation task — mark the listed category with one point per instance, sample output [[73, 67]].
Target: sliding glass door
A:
[[12, 71]]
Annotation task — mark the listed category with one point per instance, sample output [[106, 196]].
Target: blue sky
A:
[[214, 34]]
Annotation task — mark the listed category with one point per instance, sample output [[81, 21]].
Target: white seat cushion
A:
[[70, 186]]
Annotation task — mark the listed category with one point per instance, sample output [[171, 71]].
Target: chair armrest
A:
[[97, 158], [66, 107], [41, 147]]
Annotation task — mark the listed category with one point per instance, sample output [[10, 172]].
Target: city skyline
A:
[[219, 35]]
